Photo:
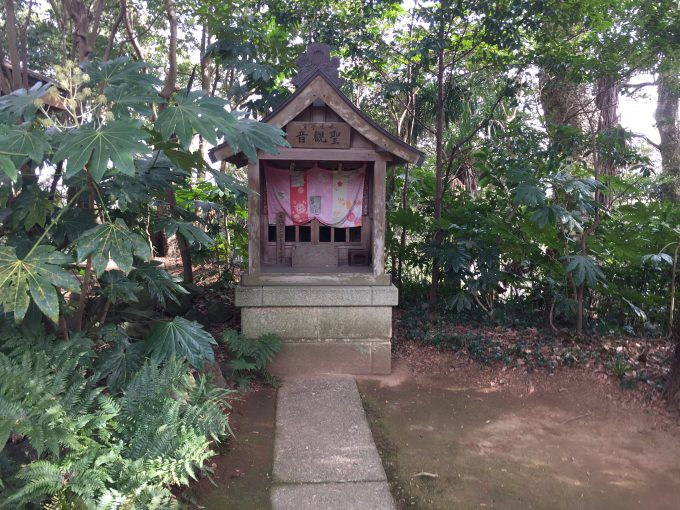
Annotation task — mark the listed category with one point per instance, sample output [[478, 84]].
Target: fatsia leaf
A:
[[161, 284], [121, 71], [193, 112], [639, 312], [528, 194], [117, 142], [547, 214], [196, 112], [117, 288], [36, 277], [126, 84], [8, 167], [226, 181], [658, 258], [460, 301], [120, 362], [180, 338], [21, 144], [113, 241], [248, 135], [584, 270], [31, 208]]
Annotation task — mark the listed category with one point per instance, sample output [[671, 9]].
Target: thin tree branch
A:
[[130, 30], [112, 35]]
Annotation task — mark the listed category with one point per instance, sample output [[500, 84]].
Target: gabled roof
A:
[[316, 87]]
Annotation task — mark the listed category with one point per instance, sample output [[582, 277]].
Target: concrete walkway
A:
[[324, 454]]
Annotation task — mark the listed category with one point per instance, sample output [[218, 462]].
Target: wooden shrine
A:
[[316, 226]]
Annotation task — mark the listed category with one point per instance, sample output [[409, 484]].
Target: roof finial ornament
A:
[[317, 57]]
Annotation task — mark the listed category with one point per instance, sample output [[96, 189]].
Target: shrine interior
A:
[[313, 246]]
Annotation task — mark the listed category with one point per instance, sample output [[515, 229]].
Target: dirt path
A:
[[242, 470], [568, 441]]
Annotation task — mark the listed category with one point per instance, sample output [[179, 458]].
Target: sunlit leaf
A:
[[37, 276], [114, 241], [117, 142]]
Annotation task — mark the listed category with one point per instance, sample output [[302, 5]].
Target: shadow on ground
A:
[[242, 469], [559, 442]]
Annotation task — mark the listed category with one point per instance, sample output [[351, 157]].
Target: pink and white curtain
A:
[[334, 197]]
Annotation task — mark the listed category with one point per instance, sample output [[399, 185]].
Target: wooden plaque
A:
[[317, 135]]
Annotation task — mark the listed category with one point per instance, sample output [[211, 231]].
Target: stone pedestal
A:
[[324, 329]]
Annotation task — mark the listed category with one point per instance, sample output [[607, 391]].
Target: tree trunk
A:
[[564, 110], [607, 102], [13, 43], [23, 44], [86, 18], [130, 29], [674, 273], [168, 90], [439, 163], [667, 122], [171, 77], [112, 35], [5, 75]]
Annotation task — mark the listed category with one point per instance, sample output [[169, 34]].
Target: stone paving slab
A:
[[324, 454], [326, 496], [322, 434]]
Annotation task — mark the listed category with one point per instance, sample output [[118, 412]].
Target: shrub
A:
[[250, 357]]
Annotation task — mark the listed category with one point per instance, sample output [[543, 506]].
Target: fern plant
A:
[[250, 357], [100, 450]]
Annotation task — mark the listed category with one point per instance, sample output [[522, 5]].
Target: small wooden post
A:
[[254, 245], [379, 191], [280, 238]]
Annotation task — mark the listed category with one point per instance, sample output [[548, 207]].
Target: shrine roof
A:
[[319, 82]]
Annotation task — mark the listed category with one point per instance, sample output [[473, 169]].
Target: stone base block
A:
[[337, 356], [325, 322], [325, 329]]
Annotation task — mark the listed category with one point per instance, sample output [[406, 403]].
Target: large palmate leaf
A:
[[116, 287], [120, 362], [196, 112], [161, 284], [21, 144], [31, 208], [193, 112], [122, 71], [36, 277], [548, 214], [8, 167], [248, 135], [117, 142], [180, 338], [528, 194], [113, 241], [126, 84], [584, 270]]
